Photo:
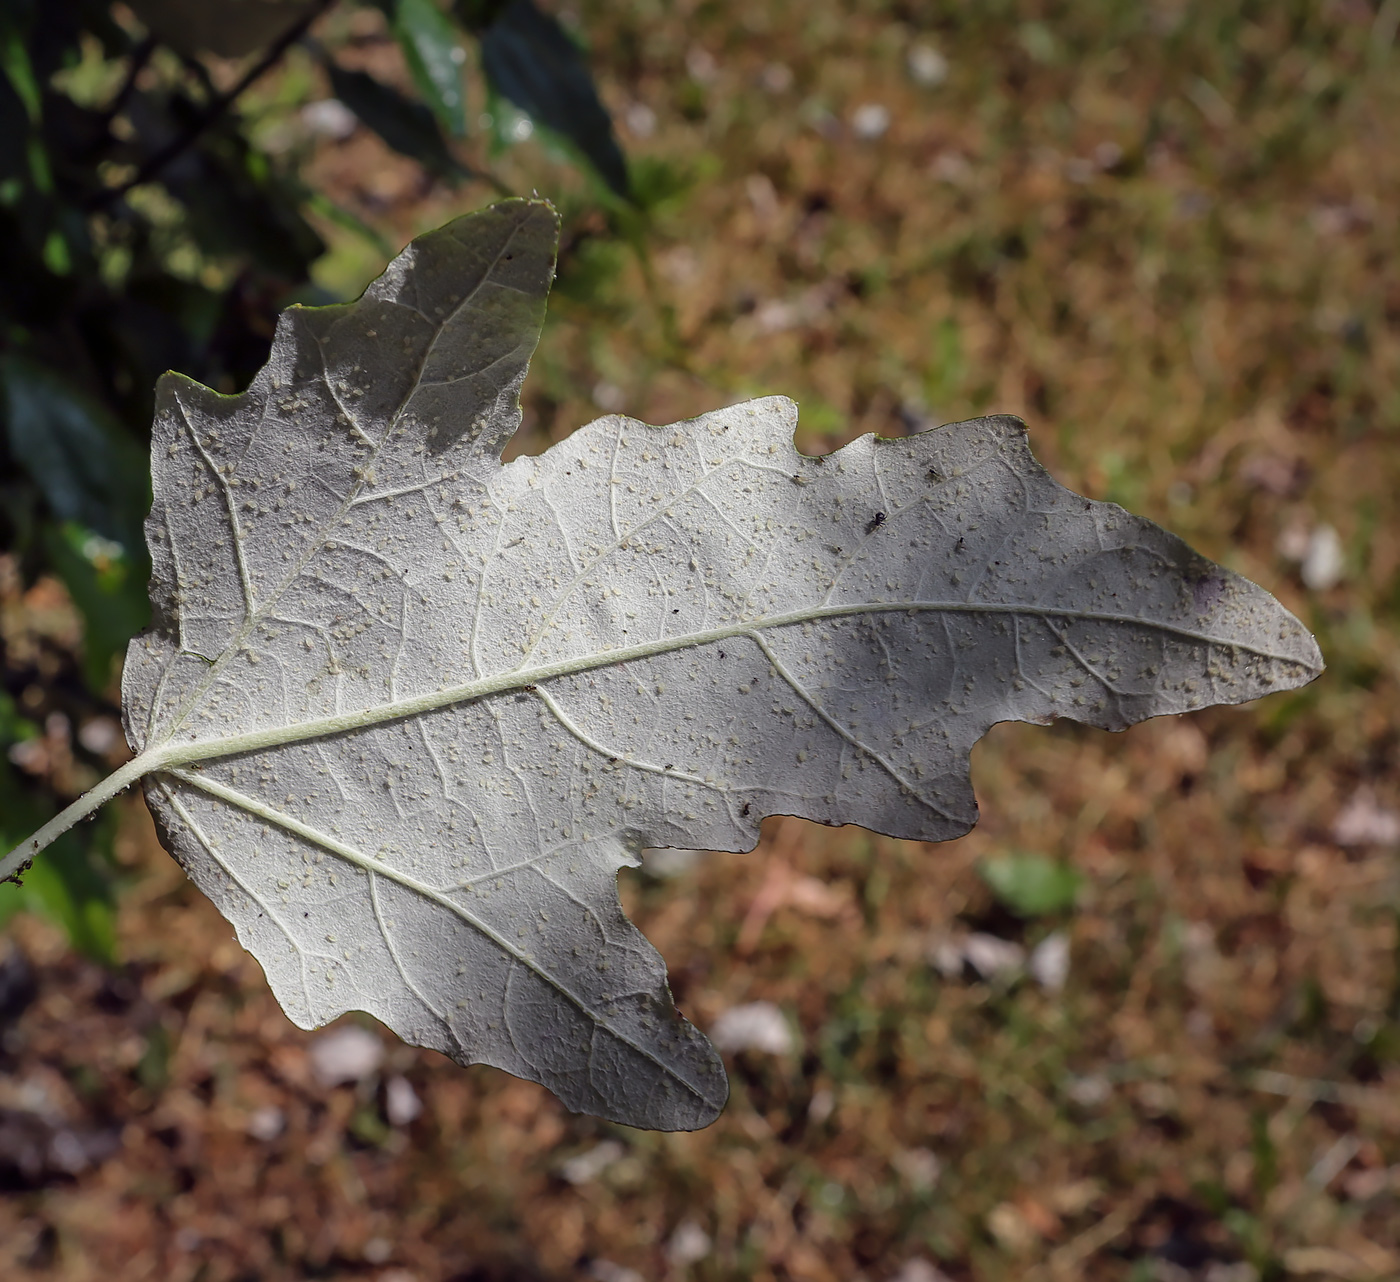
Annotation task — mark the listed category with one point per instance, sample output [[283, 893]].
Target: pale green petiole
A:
[[23, 855]]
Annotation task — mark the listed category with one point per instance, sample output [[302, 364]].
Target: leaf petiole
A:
[[20, 858]]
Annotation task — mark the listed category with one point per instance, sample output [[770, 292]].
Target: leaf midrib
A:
[[192, 751]]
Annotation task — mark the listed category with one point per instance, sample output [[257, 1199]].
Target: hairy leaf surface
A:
[[410, 710]]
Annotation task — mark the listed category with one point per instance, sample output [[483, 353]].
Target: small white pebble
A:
[[1325, 562], [1049, 961], [348, 1054], [401, 1102], [993, 958], [919, 1270], [267, 1123], [608, 397], [870, 120], [585, 1167], [640, 120], [689, 1244], [926, 65], [98, 735], [756, 1026], [330, 118]]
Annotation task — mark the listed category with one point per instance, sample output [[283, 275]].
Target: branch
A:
[[216, 109], [140, 56]]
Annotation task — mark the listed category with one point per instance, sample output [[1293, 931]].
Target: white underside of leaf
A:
[[409, 710]]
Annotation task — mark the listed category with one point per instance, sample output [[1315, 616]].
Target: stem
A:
[[139, 57], [22, 855]]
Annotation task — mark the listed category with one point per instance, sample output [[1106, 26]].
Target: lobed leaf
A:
[[404, 711]]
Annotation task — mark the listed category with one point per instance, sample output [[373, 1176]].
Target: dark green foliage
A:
[[433, 54], [530, 59], [143, 228], [86, 468], [407, 126]]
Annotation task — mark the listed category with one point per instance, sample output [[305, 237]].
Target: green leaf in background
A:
[[95, 485], [18, 70], [1031, 885], [109, 588], [530, 59], [88, 470], [227, 29], [408, 127], [14, 132], [434, 57], [74, 891]]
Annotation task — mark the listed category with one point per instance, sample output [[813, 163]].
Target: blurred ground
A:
[[1163, 233]]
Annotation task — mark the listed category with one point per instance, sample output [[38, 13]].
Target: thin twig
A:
[[140, 56], [191, 134], [201, 73]]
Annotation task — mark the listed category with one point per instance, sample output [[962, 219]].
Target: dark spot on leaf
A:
[[1206, 592]]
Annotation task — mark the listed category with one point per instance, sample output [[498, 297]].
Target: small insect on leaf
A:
[[475, 701]]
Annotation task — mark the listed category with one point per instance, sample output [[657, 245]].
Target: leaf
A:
[[94, 483], [530, 59], [1031, 885], [228, 29], [408, 127], [434, 58], [14, 131], [403, 712], [75, 452], [109, 588]]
